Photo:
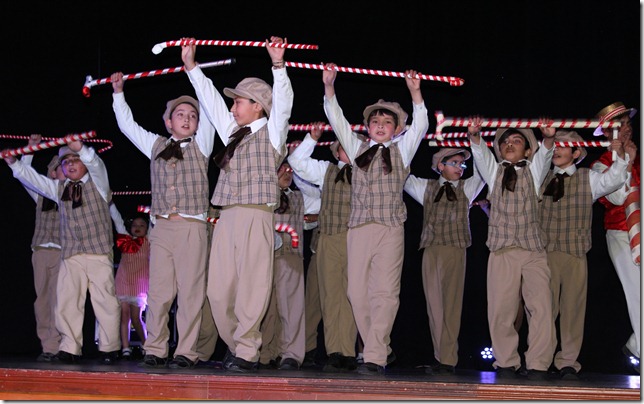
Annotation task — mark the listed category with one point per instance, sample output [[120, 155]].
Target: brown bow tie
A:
[[448, 189], [47, 205], [223, 157], [365, 158], [73, 192], [173, 149], [284, 205], [555, 187], [509, 180], [345, 172]]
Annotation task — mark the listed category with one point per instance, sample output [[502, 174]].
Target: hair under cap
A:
[[528, 134], [173, 104], [254, 89], [393, 107], [446, 152]]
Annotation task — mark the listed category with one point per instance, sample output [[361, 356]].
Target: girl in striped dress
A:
[[132, 279]]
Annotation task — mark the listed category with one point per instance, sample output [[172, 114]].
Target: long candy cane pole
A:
[[453, 81], [47, 145], [109, 142], [158, 48], [280, 227], [131, 193], [89, 82], [442, 121], [465, 143]]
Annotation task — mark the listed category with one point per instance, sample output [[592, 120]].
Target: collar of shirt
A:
[[570, 170], [287, 190], [84, 179], [386, 144], [341, 164], [442, 180], [517, 167], [255, 125], [182, 145]]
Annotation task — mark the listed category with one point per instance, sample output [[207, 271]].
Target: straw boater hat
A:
[[571, 136], [255, 89], [613, 111], [527, 133], [444, 153], [394, 107], [172, 104]]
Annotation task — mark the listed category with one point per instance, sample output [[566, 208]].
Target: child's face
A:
[[564, 156], [382, 128], [245, 111], [284, 176], [513, 149], [139, 227], [453, 168], [73, 167], [184, 121], [625, 130]]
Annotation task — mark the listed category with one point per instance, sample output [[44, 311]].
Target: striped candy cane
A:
[[22, 137], [127, 193], [286, 228], [158, 48], [89, 82], [48, 144], [466, 143], [442, 121], [632, 210], [297, 143], [453, 81], [279, 227]]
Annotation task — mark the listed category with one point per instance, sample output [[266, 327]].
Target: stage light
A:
[[487, 353]]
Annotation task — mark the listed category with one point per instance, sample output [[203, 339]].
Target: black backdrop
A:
[[519, 59]]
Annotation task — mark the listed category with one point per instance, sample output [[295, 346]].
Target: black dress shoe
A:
[[289, 364], [334, 363], [228, 359], [66, 357], [240, 365], [506, 373], [568, 373], [309, 359], [370, 368], [108, 358], [633, 361]]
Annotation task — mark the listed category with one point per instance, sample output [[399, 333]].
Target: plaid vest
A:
[[295, 218], [567, 222], [47, 228], [445, 222], [179, 186], [335, 204], [514, 216], [251, 175], [376, 197], [88, 228]]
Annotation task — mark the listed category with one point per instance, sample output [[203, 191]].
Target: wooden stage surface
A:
[[25, 379]]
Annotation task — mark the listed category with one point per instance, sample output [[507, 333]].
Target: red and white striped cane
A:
[[442, 122], [89, 82], [129, 193], [286, 228], [466, 143], [453, 81], [46, 145], [633, 222], [158, 48], [279, 227], [109, 142]]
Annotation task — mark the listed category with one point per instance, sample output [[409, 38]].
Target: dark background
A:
[[519, 59]]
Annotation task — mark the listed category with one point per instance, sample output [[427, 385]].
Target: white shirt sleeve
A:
[[342, 128], [29, 177], [310, 169], [609, 181], [409, 142], [141, 138], [97, 170], [415, 187], [281, 108]]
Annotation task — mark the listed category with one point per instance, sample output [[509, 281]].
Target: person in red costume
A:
[[622, 206]]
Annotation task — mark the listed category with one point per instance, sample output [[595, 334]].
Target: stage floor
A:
[[24, 378]]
